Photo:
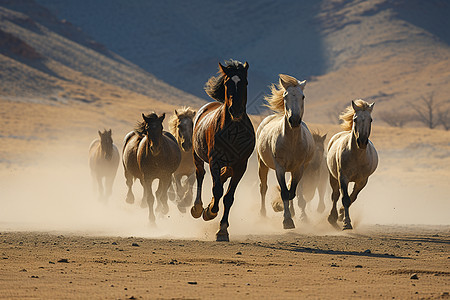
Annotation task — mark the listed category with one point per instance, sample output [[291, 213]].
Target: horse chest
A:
[[234, 142]]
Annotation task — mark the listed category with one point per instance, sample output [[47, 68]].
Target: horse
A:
[[284, 142], [315, 177], [150, 153], [181, 126], [103, 162], [224, 138], [351, 158]]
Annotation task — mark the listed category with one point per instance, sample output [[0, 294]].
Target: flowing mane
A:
[[215, 87], [140, 126], [184, 112], [347, 115], [275, 101]]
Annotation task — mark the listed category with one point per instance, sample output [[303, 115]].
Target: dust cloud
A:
[[56, 195]]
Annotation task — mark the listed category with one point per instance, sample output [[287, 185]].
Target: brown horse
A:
[[103, 162], [181, 126], [150, 153], [315, 177], [223, 137]]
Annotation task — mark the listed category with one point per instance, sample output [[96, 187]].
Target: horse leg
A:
[[262, 171], [150, 199], [296, 176], [161, 194], [187, 197], [228, 199], [144, 195], [172, 192], [343, 182], [288, 223], [197, 208], [301, 202], [129, 181], [332, 218], [210, 212], [343, 212], [321, 188]]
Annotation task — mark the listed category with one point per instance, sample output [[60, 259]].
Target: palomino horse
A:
[[150, 153], [181, 126], [284, 142], [315, 177], [351, 158], [103, 162], [223, 137]]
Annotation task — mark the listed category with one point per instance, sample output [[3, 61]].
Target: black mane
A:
[[214, 87]]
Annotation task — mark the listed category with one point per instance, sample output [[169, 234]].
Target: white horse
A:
[[351, 158], [284, 142]]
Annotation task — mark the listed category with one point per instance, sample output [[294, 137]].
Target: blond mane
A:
[[184, 112], [347, 115], [275, 101]]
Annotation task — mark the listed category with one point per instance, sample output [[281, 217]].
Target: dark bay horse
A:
[[103, 162], [224, 138], [150, 153]]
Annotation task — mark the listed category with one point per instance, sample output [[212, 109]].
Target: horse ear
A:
[[324, 137], [246, 66], [302, 84], [176, 112], [99, 133], [283, 83], [145, 118], [110, 132], [371, 106], [222, 69], [355, 107], [161, 118]]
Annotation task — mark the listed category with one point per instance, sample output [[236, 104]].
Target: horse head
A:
[[153, 129], [184, 128], [106, 142], [362, 123], [294, 99], [319, 141], [235, 83]]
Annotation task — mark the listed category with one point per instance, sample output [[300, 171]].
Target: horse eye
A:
[[303, 97]]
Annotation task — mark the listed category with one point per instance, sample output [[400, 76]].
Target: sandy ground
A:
[[372, 262]]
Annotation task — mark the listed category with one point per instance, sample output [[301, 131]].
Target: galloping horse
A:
[[223, 137], [315, 177], [351, 158], [157, 157], [284, 142], [103, 162], [181, 126]]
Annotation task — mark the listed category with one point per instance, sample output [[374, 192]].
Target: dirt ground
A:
[[376, 261]]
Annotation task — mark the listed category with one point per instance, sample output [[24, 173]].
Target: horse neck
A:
[[359, 152], [288, 131]]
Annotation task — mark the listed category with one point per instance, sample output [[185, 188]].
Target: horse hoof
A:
[[263, 213], [208, 214], [222, 237], [332, 219], [304, 219], [288, 224], [347, 226], [197, 210]]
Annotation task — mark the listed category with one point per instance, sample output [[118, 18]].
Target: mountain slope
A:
[[392, 51]]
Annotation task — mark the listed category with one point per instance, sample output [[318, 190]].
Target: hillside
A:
[[389, 51]]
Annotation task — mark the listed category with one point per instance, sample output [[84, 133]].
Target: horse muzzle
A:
[[362, 142], [294, 122]]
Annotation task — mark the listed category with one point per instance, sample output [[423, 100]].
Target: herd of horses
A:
[[222, 135]]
